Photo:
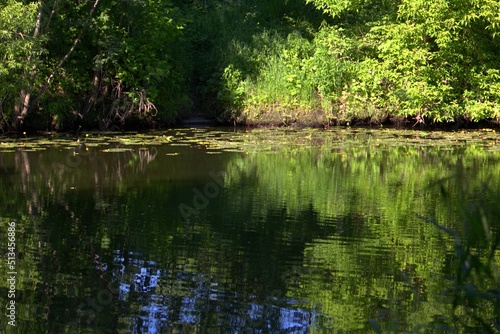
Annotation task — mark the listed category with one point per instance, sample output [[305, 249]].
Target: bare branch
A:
[[63, 60]]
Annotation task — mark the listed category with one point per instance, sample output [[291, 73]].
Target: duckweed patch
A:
[[262, 140]]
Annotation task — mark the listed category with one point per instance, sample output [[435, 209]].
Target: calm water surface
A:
[[216, 231]]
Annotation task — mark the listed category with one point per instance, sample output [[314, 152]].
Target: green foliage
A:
[[136, 60], [335, 7], [282, 83], [280, 61], [427, 59], [121, 61], [16, 22], [250, 57], [18, 52], [232, 93]]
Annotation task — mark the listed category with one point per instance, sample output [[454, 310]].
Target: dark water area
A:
[[216, 231]]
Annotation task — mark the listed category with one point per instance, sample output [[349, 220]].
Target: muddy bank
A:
[[320, 120]]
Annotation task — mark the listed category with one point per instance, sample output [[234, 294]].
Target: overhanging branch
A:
[[66, 56]]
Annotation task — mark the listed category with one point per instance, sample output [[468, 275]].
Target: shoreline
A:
[[402, 123], [274, 121]]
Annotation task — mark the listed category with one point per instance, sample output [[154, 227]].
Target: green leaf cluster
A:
[[18, 51], [427, 59], [110, 62], [96, 62]]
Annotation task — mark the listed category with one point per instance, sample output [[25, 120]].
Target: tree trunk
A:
[[63, 60], [96, 84], [25, 105], [21, 108]]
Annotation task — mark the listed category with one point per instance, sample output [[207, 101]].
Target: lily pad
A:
[[117, 150]]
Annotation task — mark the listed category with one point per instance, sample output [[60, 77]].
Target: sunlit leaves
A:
[[433, 59], [336, 7], [17, 46]]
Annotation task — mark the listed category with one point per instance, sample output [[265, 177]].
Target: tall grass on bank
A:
[[252, 59], [278, 61]]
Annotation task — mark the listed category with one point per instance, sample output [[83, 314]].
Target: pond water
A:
[[232, 231]]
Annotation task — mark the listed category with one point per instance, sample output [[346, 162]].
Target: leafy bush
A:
[[426, 59], [19, 52]]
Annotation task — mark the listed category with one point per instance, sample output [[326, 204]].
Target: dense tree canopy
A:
[[109, 63], [98, 62], [429, 59]]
